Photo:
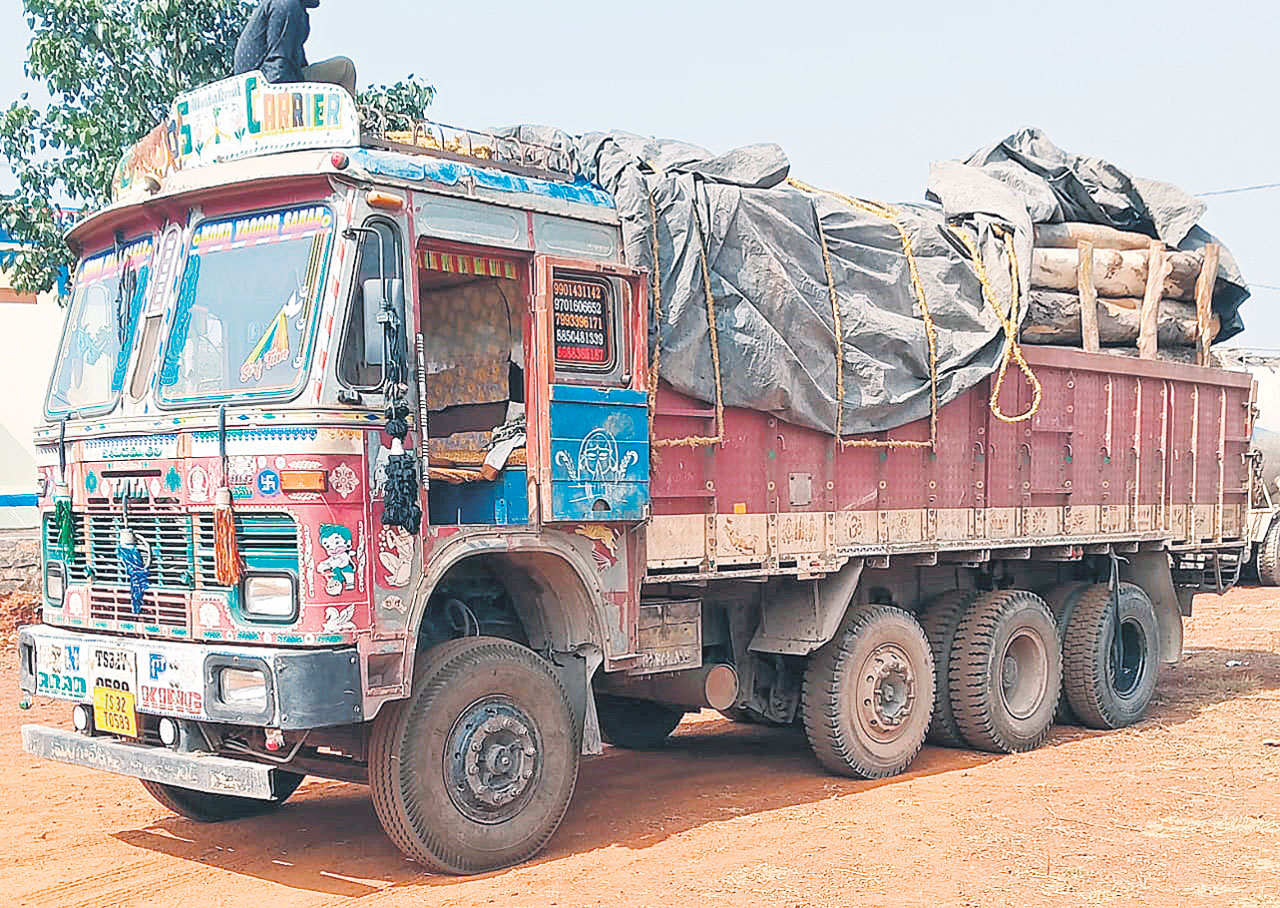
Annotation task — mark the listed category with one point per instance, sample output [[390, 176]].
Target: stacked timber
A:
[[1096, 286]]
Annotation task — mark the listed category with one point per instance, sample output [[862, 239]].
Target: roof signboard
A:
[[241, 117]]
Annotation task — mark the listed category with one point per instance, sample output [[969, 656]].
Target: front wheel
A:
[[475, 770], [868, 694], [205, 807]]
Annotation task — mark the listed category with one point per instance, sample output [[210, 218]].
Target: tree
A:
[[111, 69]]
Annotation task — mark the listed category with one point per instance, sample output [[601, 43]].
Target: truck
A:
[[278, 540]]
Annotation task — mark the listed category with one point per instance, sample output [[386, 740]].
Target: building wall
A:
[[29, 333]]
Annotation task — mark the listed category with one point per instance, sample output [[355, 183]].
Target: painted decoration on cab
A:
[[198, 483], [343, 480], [339, 619], [395, 553], [605, 543], [339, 568], [598, 466]]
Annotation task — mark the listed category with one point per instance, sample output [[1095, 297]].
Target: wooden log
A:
[[1053, 317], [1115, 273], [1088, 298], [1071, 234], [1204, 303], [1149, 314]]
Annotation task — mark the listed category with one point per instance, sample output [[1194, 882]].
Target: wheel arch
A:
[[556, 594]]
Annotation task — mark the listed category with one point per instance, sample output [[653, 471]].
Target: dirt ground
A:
[[1183, 809]]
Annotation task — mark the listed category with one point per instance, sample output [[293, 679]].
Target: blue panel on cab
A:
[[599, 453], [503, 502]]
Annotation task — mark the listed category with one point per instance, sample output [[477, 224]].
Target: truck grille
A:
[[167, 533], [268, 541], [53, 551], [167, 608]]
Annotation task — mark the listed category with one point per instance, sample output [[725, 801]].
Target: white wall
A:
[[29, 334]]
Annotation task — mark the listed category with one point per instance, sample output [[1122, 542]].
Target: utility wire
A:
[[1253, 188]]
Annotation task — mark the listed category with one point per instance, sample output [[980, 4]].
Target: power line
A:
[[1253, 188]]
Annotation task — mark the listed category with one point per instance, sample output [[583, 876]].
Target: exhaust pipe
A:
[[714, 685]]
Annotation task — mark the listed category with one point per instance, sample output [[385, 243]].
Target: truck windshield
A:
[[98, 338], [246, 307]]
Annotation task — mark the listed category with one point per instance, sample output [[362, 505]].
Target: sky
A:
[[862, 96]]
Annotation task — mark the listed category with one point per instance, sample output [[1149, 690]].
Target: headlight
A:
[[55, 582], [243, 688], [270, 596]]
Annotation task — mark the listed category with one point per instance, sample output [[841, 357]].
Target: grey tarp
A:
[[773, 312]]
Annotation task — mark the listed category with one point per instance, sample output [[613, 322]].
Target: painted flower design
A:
[[343, 479]]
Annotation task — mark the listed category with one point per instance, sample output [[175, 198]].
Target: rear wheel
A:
[[1111, 656], [1006, 671], [940, 619], [1269, 556], [1062, 601], [636, 724], [474, 771], [868, 694], [204, 807]]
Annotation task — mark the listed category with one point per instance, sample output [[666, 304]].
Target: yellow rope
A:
[[1009, 321], [657, 310], [890, 214]]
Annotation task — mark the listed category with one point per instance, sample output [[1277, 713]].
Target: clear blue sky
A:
[[862, 96]]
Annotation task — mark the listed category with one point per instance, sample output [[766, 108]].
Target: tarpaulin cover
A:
[[769, 282]]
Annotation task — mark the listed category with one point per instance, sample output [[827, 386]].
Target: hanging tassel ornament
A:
[[135, 568], [64, 521], [400, 499], [227, 564]]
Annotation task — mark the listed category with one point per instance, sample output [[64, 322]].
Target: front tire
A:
[[1106, 691], [636, 724], [1006, 672], [475, 770], [868, 694], [205, 807]]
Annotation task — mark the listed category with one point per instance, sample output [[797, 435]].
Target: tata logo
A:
[[158, 665]]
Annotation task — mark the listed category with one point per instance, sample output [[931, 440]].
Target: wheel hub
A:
[[886, 692], [1024, 674], [492, 759]]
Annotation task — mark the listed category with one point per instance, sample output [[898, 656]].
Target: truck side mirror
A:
[[374, 300], [383, 309]]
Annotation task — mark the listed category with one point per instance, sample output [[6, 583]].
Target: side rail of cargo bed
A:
[[1121, 455]]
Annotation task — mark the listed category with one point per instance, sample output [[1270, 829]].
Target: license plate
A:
[[114, 711]]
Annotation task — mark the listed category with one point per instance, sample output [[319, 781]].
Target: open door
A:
[[591, 381]]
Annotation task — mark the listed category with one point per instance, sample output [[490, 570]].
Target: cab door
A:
[[591, 385]]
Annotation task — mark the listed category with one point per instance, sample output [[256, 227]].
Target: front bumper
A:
[[305, 689], [201, 772]]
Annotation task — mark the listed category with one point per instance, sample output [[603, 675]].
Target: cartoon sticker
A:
[[395, 553], [340, 567]]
